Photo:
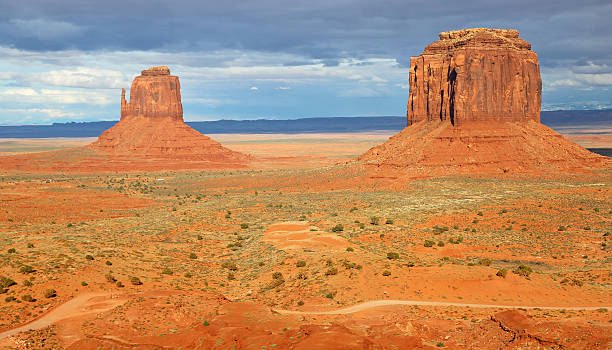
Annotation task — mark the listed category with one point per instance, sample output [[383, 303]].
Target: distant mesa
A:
[[152, 125], [474, 107]]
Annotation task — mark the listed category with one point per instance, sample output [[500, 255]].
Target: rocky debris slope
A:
[[152, 124], [474, 107]]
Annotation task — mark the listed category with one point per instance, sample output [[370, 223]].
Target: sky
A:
[[67, 60]]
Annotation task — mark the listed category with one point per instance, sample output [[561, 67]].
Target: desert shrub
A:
[[438, 230], [30, 245], [26, 269], [108, 262], [230, 266], [480, 213], [231, 276], [440, 243], [9, 299], [135, 281], [300, 303], [6, 282], [349, 249], [119, 284], [562, 228], [362, 225], [393, 255], [89, 257], [199, 237], [278, 276], [331, 271], [475, 221], [502, 272], [187, 275], [374, 220], [455, 240], [244, 226], [300, 263], [386, 273], [351, 265], [50, 293], [353, 209], [523, 270], [338, 228], [11, 251], [84, 284], [110, 278], [573, 282], [28, 283], [28, 298], [389, 222], [429, 243], [192, 256], [329, 295], [167, 271], [485, 262]]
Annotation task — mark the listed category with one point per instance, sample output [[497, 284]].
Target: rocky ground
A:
[[209, 259]]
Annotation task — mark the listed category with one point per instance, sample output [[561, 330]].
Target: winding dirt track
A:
[[81, 305], [379, 303], [94, 303]]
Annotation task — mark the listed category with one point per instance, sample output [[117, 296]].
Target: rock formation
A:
[[474, 107], [475, 75], [152, 124]]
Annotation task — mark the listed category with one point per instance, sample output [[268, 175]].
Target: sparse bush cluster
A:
[[338, 228], [393, 256], [523, 270]]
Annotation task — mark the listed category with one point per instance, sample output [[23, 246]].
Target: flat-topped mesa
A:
[[475, 74], [154, 94]]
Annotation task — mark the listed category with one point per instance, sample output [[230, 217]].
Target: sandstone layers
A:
[[152, 124], [475, 75], [474, 107]]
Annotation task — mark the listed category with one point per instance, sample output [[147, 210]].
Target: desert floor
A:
[[295, 255]]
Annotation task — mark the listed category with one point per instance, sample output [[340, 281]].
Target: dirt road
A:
[[379, 303]]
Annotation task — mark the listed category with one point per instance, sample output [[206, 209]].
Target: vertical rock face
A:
[[154, 94], [475, 74]]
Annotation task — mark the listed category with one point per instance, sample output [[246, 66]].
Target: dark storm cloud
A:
[[324, 30]]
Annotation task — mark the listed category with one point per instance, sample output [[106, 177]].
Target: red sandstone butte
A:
[[474, 107], [475, 75], [152, 124]]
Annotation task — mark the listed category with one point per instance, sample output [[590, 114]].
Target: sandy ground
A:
[[303, 255]]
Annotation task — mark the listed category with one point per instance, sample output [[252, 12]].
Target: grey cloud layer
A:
[[559, 30]]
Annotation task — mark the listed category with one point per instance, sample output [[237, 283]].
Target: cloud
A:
[[254, 88], [81, 77], [565, 82], [54, 96], [283, 88], [44, 28]]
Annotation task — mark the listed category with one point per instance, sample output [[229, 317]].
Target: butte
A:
[[474, 107], [152, 126]]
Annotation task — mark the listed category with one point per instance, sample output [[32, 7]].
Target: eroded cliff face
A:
[[475, 74], [154, 94]]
